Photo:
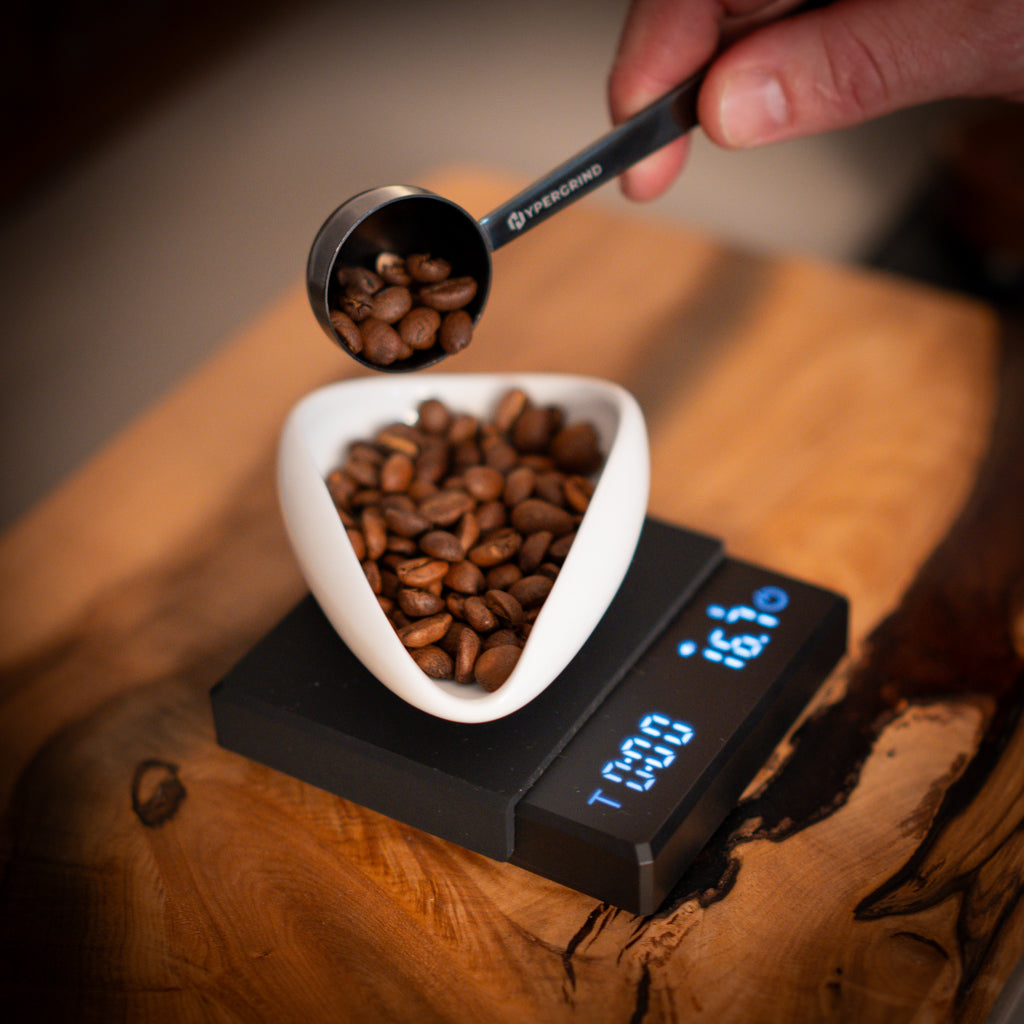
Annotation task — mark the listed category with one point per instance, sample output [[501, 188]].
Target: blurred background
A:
[[167, 165]]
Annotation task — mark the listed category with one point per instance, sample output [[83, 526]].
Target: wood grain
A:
[[831, 424]]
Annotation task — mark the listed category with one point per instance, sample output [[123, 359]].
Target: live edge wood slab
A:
[[848, 428]]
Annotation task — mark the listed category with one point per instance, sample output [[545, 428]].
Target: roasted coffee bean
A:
[[511, 405], [531, 432], [392, 270], [358, 544], [417, 603], [531, 591], [519, 485], [491, 515], [434, 416], [560, 547], [372, 572], [446, 507], [535, 514], [425, 631], [375, 532], [499, 454], [418, 327], [497, 546], [485, 483], [505, 608], [501, 577], [578, 491], [463, 427], [464, 577], [455, 332], [575, 449], [400, 437], [534, 549], [404, 546], [495, 665], [391, 304], [501, 637], [477, 613], [359, 279], [426, 268], [397, 472], [467, 650], [468, 530], [442, 544], [405, 522], [451, 293], [421, 572], [381, 342], [433, 661], [348, 329]]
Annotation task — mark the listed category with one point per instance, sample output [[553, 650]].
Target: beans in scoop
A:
[[462, 524], [406, 305]]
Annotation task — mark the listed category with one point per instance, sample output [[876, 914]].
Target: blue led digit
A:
[[643, 755]]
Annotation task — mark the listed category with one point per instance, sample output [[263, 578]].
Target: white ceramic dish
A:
[[314, 441]]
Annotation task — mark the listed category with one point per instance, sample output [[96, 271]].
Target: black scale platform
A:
[[613, 778]]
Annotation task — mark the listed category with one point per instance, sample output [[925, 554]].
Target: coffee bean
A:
[[497, 546], [455, 332], [501, 577], [443, 545], [464, 577], [391, 304], [479, 615], [534, 548], [418, 327], [421, 572], [348, 329], [451, 293], [427, 268], [425, 631], [519, 485], [531, 432], [397, 472], [433, 661], [485, 483], [382, 344], [359, 279], [511, 405], [535, 514], [504, 606], [375, 532], [578, 492], [531, 591], [575, 449], [433, 415], [467, 650], [495, 665], [417, 603], [447, 506], [392, 270]]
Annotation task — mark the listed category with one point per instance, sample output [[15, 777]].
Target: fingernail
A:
[[753, 108]]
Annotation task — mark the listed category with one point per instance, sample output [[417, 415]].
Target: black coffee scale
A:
[[611, 780]]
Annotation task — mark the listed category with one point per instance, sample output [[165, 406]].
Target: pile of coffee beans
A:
[[404, 306], [462, 524]]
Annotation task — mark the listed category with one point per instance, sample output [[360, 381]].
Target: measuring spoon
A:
[[406, 219]]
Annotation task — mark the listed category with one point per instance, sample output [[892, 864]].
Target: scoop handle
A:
[[655, 126]]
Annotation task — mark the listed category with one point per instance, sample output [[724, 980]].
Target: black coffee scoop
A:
[[405, 219]]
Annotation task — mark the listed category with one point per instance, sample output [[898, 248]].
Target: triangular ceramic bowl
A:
[[314, 441]]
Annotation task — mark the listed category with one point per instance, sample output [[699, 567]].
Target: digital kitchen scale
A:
[[610, 781]]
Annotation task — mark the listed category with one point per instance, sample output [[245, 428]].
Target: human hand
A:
[[778, 78]]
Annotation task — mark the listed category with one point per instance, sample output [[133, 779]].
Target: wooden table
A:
[[835, 425]]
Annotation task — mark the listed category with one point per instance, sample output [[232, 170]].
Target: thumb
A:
[[839, 66]]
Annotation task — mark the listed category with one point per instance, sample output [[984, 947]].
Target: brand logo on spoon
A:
[[518, 219]]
